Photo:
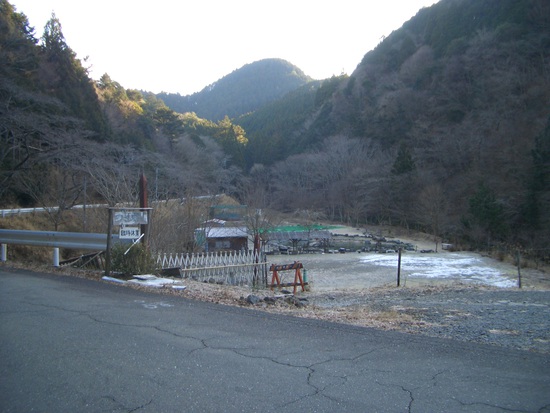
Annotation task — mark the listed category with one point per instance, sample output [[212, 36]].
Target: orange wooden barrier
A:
[[298, 280]]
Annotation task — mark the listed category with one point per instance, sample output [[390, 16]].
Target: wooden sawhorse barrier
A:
[[298, 280]]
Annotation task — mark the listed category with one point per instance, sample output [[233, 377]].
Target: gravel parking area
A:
[[458, 295], [511, 318]]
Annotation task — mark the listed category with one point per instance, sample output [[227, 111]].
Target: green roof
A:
[[301, 228]]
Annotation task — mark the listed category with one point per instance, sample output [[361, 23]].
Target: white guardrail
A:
[[54, 239], [21, 211]]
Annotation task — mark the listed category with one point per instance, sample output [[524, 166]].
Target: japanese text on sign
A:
[[130, 218], [129, 233]]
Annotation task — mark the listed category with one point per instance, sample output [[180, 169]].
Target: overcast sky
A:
[[181, 46]]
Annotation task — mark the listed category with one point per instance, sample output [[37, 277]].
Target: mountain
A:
[[242, 91], [280, 128], [436, 45], [445, 124]]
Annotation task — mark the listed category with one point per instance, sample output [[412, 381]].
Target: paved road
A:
[[69, 344]]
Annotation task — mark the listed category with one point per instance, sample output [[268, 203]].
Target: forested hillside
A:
[[242, 91], [66, 139], [445, 126]]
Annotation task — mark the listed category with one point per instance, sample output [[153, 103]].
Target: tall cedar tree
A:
[[63, 75]]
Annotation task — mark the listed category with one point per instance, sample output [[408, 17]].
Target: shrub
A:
[[138, 260]]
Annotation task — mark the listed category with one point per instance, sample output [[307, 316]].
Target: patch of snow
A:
[[465, 267], [111, 279], [153, 281], [145, 277]]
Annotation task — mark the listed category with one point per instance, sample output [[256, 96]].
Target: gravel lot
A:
[[510, 318], [458, 295]]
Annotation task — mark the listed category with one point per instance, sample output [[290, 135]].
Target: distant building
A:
[[215, 223], [223, 238]]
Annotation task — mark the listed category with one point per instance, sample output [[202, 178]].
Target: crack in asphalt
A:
[[141, 407], [319, 390], [121, 405], [406, 390], [504, 409], [311, 369], [411, 397]]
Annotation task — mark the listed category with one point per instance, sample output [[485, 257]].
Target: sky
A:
[[182, 46]]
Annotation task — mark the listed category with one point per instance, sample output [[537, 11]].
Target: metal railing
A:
[[22, 211], [71, 240], [54, 239]]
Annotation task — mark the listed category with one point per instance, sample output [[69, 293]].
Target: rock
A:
[[299, 303], [253, 299], [291, 300], [270, 300]]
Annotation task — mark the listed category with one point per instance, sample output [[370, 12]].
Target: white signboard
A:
[[129, 233], [125, 217]]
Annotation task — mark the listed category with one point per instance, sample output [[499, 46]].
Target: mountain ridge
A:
[[241, 91]]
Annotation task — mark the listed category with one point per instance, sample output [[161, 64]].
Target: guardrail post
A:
[[108, 250], [4, 252], [56, 257]]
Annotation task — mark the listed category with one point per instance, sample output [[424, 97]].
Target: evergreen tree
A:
[[18, 52], [63, 74], [539, 186], [487, 212], [404, 162]]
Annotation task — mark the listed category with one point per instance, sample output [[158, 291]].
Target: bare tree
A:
[[204, 165], [181, 225], [114, 172], [432, 210], [34, 129], [309, 219], [255, 193], [56, 188]]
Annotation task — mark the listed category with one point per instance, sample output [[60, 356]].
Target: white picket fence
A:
[[235, 268]]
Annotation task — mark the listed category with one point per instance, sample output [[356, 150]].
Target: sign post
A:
[[129, 221]]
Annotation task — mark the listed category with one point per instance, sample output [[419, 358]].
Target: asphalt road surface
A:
[[76, 345]]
